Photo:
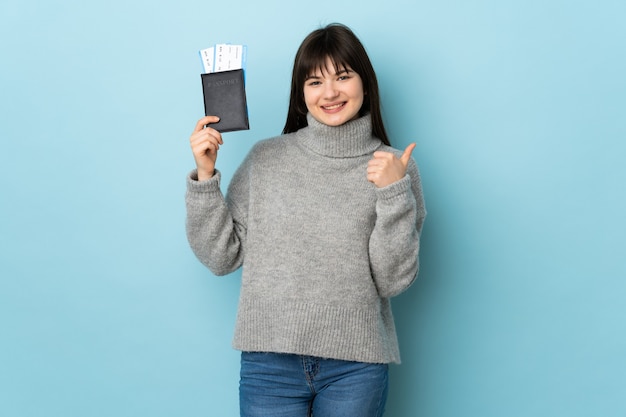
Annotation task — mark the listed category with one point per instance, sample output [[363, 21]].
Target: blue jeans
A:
[[283, 385]]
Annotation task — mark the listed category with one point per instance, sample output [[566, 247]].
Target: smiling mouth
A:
[[334, 106]]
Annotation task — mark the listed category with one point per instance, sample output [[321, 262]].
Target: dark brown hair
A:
[[344, 49]]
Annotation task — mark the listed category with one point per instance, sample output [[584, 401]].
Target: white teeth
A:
[[333, 107]]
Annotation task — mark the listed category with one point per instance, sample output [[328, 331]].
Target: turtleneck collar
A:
[[350, 139]]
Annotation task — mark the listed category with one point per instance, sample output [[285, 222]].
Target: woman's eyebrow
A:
[[339, 72]]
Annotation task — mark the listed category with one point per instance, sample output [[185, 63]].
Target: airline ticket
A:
[[223, 57]]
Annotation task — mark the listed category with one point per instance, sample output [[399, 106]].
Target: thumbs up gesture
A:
[[385, 168]]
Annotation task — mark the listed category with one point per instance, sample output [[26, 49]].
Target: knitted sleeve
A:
[[216, 230], [395, 241]]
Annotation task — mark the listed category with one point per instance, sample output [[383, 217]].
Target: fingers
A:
[[378, 163], [205, 121], [386, 168], [205, 143], [404, 158], [380, 169], [204, 131], [207, 139]]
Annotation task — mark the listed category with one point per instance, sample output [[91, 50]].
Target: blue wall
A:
[[518, 110]]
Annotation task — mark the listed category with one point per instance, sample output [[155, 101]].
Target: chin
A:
[[336, 121]]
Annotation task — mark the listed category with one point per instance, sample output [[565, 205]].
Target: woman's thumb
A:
[[406, 156]]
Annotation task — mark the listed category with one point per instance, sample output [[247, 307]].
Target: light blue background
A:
[[518, 111]]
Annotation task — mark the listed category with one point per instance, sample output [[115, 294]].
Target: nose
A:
[[330, 90]]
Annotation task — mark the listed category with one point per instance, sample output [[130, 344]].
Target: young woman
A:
[[325, 220]]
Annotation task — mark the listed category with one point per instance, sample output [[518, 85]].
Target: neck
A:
[[351, 139]]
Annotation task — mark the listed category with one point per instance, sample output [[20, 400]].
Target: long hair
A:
[[344, 49]]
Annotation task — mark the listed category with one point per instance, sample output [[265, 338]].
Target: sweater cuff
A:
[[206, 186], [395, 190]]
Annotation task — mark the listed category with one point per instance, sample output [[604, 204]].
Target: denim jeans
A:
[[283, 385]]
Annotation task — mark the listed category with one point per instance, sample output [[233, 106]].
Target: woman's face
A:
[[334, 98]]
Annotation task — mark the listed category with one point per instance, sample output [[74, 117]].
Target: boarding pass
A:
[[223, 57]]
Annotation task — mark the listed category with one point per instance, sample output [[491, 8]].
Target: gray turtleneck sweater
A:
[[322, 248]]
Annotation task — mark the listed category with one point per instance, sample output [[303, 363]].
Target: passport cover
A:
[[225, 96]]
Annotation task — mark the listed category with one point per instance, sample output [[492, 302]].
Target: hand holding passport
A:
[[223, 86]]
